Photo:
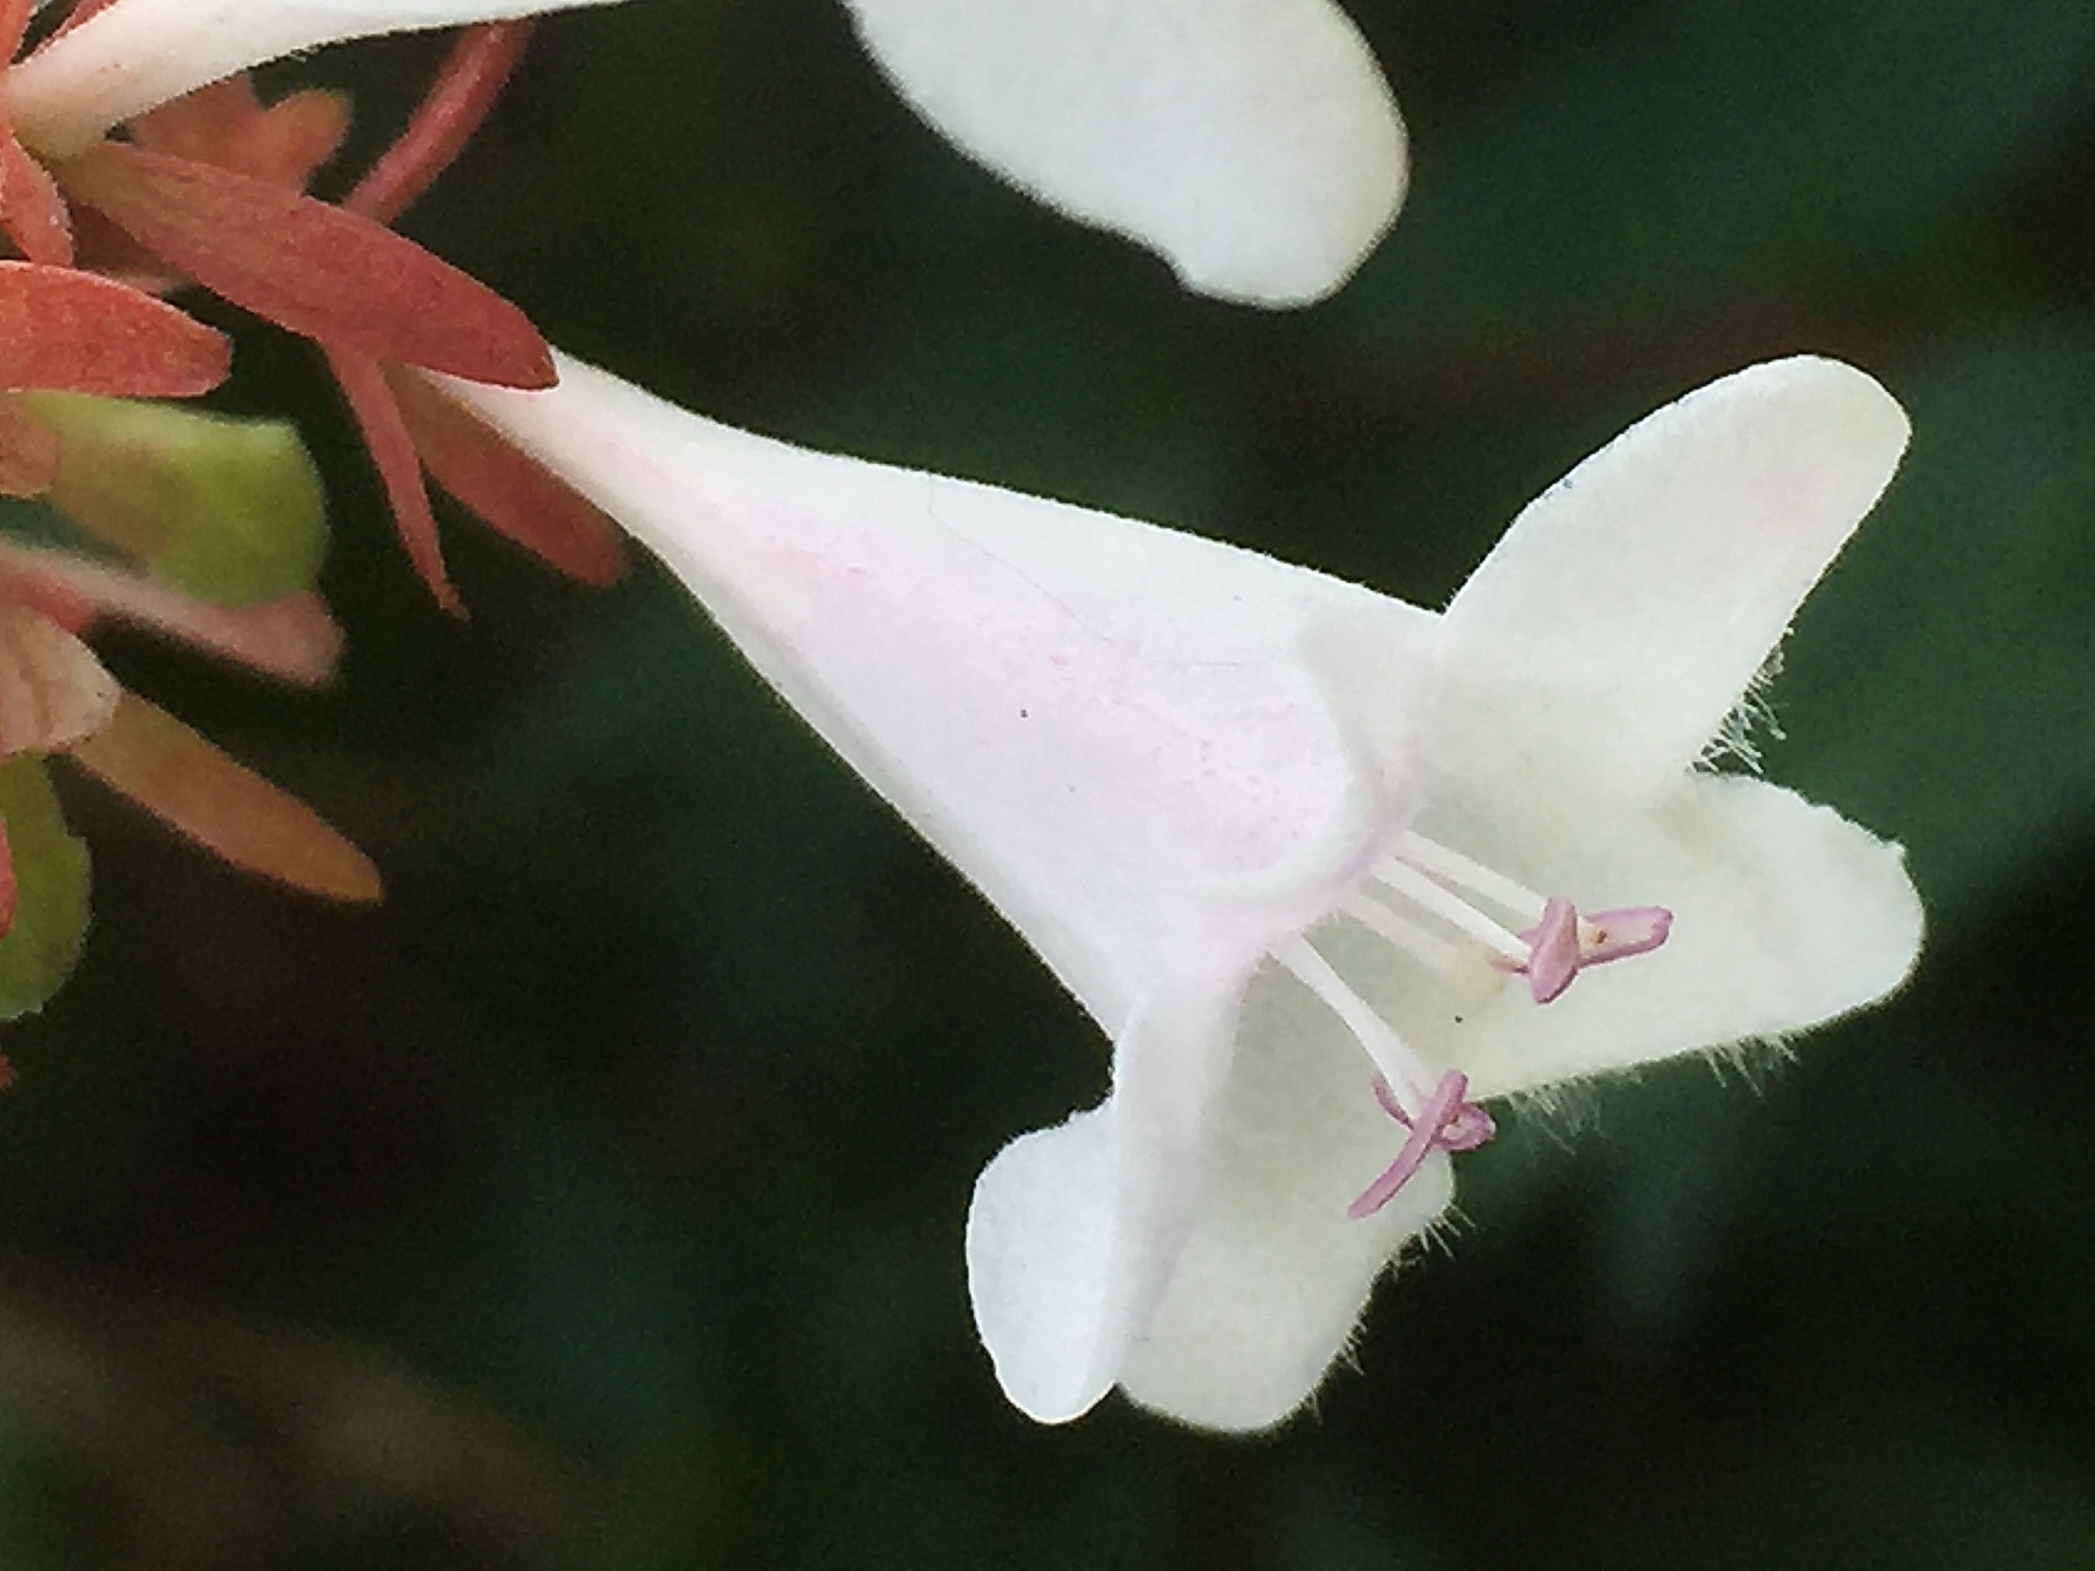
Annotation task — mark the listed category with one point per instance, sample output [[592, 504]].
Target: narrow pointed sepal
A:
[[227, 808], [67, 330], [331, 275]]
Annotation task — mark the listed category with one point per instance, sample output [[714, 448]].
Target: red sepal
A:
[[74, 332], [399, 469], [504, 489], [466, 87], [225, 124], [31, 209], [333, 276]]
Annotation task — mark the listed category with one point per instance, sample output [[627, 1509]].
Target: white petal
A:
[[1253, 143], [1117, 731], [1274, 1276], [1626, 610], [140, 53], [1785, 915], [1073, 1231]]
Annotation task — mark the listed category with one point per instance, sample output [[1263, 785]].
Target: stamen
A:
[[1314, 972], [1550, 952], [1478, 879], [1431, 951], [1563, 943], [1468, 1127], [1553, 957], [1618, 934], [1447, 1122], [1451, 908]]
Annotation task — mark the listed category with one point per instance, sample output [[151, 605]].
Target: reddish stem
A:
[[466, 87]]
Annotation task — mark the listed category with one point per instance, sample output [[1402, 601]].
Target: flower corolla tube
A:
[[1254, 144], [1329, 869]]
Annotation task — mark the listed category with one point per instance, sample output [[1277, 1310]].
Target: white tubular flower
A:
[[1253, 143], [1308, 854]]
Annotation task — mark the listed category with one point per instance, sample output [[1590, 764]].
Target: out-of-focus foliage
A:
[[50, 873], [596, 1202]]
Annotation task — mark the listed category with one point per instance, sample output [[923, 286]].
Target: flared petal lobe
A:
[[1073, 1231], [1253, 143], [1120, 733], [1627, 609], [142, 53], [1273, 1274], [1785, 916]]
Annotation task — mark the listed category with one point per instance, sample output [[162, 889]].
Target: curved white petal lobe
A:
[[1253, 143], [141, 53], [1628, 607], [1073, 1231], [1274, 1274]]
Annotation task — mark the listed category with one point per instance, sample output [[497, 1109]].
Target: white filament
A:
[[1398, 1065]]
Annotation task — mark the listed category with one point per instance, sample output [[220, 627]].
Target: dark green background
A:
[[596, 1202]]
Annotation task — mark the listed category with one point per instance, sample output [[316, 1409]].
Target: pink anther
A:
[[1553, 949], [1618, 934], [1447, 1122], [1564, 943]]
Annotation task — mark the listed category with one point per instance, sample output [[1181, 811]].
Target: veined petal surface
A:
[[1117, 731], [1253, 143], [138, 54]]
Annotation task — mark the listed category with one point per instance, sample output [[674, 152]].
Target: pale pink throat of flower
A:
[[1439, 919]]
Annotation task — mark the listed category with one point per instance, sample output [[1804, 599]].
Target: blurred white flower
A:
[[1253, 143], [135, 55], [1279, 834]]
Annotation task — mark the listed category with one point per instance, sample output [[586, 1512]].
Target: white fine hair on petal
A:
[[1738, 739], [1755, 1063]]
